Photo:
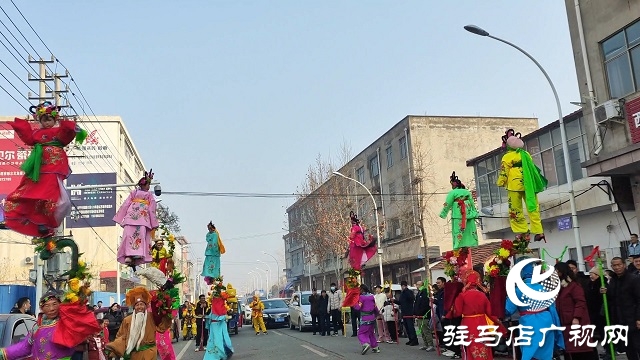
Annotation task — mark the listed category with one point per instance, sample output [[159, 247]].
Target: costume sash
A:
[[534, 181], [32, 165], [463, 211]]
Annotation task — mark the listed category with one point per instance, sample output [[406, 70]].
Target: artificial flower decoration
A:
[[352, 280], [454, 259], [521, 244], [78, 286], [169, 238]]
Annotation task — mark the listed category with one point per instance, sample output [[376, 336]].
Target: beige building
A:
[[436, 144], [605, 37], [108, 156]]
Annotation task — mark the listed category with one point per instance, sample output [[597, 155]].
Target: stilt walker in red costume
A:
[[40, 203], [361, 248]]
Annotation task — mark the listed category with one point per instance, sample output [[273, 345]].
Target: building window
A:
[[622, 61], [403, 147], [392, 191], [586, 250], [546, 152], [389, 157], [395, 230], [360, 174], [374, 167], [406, 186]]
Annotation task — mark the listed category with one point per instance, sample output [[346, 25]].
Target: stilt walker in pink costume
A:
[[137, 216], [361, 249], [368, 312]]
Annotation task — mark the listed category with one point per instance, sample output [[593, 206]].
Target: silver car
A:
[[300, 311], [14, 328]]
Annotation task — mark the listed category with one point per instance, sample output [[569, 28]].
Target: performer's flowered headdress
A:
[[453, 179], [146, 179], [49, 295], [354, 218], [211, 224], [46, 108], [138, 294], [507, 134]]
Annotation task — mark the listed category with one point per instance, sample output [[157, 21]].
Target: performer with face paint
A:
[[40, 203]]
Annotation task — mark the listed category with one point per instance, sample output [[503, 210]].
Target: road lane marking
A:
[[184, 350], [314, 350], [277, 332]]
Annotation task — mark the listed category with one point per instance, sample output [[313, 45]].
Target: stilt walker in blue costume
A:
[[215, 248], [538, 316], [219, 345]]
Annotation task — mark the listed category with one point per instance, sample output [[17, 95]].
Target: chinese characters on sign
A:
[[632, 111], [489, 335], [564, 223], [92, 207]]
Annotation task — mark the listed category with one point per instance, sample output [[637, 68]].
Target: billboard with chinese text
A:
[[13, 153], [92, 207]]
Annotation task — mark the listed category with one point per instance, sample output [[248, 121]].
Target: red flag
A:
[[595, 253]]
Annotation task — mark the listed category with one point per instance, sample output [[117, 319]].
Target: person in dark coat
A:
[[406, 308], [115, 317], [581, 278], [313, 300], [421, 311], [323, 314], [623, 292], [595, 301], [573, 310]]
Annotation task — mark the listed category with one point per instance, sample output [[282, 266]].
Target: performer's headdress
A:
[[211, 224], [473, 279], [354, 218], [51, 294], [453, 179], [46, 108], [138, 294], [146, 179], [507, 134]]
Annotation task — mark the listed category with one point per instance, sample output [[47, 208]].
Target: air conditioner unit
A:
[[28, 260], [609, 111]]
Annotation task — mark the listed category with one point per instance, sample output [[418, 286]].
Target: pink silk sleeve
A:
[[122, 212], [152, 211]]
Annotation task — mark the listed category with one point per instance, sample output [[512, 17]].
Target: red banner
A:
[[13, 152], [632, 109]]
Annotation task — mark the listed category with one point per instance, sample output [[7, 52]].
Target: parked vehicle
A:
[[14, 328], [275, 313], [300, 311]]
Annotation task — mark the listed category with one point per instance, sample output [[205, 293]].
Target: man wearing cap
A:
[[42, 341], [136, 339]]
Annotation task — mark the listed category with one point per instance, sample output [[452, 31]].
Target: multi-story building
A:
[[418, 148], [605, 37], [108, 156], [602, 222]]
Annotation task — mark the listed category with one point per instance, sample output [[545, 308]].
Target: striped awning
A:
[[289, 285]]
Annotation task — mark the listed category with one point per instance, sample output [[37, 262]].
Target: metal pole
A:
[[375, 209], [277, 268], [565, 146], [270, 274]]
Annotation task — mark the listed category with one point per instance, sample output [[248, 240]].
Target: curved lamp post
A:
[[269, 268], [277, 268], [565, 147], [266, 275], [375, 211]]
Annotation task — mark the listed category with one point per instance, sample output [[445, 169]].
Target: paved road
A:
[[285, 344]]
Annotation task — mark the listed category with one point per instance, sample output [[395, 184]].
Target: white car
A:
[[246, 318], [300, 311]]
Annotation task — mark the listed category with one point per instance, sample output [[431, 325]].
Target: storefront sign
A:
[[632, 109]]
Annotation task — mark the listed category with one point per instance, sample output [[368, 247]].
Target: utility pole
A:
[[42, 96]]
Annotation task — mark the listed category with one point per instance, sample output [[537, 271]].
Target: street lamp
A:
[[266, 275], [563, 135], [375, 211], [277, 268], [268, 267], [255, 281]]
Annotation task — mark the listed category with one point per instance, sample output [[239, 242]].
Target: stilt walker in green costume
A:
[[463, 214], [523, 181]]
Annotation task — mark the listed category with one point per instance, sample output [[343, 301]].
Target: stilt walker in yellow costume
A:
[[523, 181]]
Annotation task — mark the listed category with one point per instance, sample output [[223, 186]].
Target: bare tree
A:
[[168, 218], [414, 207], [323, 225]]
